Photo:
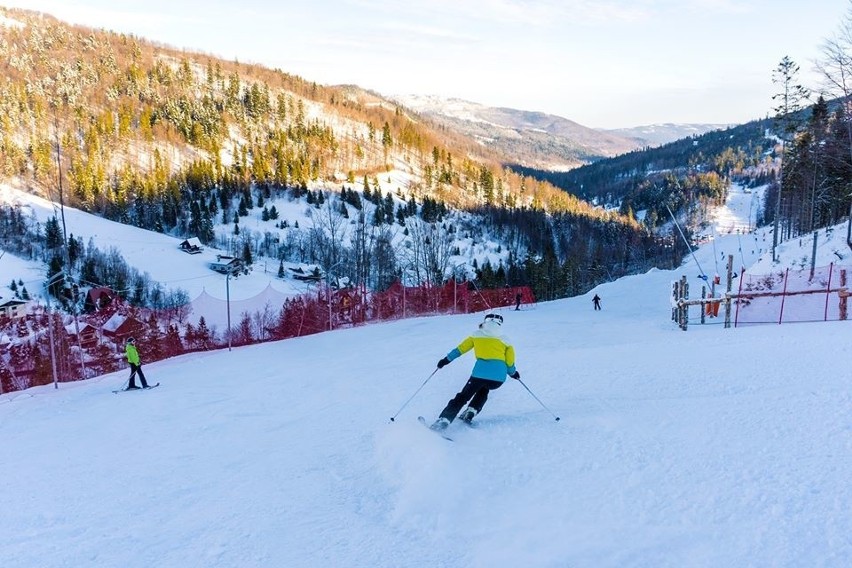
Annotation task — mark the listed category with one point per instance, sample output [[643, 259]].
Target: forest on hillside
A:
[[188, 144], [803, 154]]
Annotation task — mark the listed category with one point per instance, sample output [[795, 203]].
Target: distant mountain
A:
[[659, 134], [540, 140], [528, 138]]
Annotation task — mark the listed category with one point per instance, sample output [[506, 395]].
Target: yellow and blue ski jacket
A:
[[495, 358]]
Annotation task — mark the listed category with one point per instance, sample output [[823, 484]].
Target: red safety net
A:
[[44, 345]]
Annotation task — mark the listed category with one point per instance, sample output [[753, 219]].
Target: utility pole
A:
[[50, 327], [228, 304], [776, 222], [65, 239]]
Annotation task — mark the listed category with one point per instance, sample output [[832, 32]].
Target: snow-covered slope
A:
[[704, 448]]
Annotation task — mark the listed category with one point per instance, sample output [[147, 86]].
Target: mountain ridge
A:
[[548, 141]]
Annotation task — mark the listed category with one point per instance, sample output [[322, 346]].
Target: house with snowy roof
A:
[[191, 246], [119, 327], [13, 308]]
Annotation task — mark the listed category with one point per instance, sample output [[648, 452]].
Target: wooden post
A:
[[704, 306], [783, 295], [827, 289], [813, 255], [844, 295], [730, 279], [675, 299], [739, 296], [684, 309]]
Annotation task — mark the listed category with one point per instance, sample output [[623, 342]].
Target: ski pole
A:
[[415, 394], [536, 398]]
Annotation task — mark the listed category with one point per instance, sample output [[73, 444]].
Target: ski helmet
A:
[[496, 318]]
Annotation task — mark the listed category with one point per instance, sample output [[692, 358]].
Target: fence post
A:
[[813, 256], [675, 300], [827, 289], [704, 305], [844, 295], [684, 308], [739, 296], [728, 287], [783, 295]]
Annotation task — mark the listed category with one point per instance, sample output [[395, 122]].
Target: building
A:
[[306, 273], [13, 308], [226, 264], [88, 335], [98, 298], [191, 246], [119, 328]]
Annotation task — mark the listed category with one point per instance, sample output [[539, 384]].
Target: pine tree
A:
[[202, 334], [788, 119], [75, 248], [172, 342], [52, 233], [247, 258]]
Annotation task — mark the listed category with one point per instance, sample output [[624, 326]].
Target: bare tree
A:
[[836, 69], [263, 321], [363, 237], [430, 252], [327, 236]]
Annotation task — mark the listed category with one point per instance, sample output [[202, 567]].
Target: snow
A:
[[712, 447], [160, 256], [155, 253], [7, 22]]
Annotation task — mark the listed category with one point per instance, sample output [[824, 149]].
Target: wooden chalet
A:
[[119, 327], [88, 334], [306, 274], [191, 246], [98, 298]]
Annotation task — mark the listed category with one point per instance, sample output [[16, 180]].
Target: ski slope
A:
[[704, 448]]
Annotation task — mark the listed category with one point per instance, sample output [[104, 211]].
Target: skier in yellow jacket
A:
[[495, 358], [135, 365]]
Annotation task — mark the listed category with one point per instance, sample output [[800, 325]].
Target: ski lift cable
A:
[[701, 270], [715, 257]]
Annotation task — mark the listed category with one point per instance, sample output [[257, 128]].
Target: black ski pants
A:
[[134, 370], [475, 391]]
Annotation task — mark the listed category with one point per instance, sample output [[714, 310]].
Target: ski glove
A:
[[515, 375], [443, 363]]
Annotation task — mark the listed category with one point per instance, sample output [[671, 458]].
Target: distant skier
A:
[[135, 365], [597, 302], [495, 359], [517, 301]]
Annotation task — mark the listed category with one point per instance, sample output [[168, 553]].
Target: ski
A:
[[141, 389], [438, 432]]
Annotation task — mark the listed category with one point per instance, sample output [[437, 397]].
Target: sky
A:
[[601, 63], [704, 448]]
